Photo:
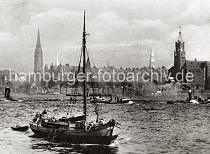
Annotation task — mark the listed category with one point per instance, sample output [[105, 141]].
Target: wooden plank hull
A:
[[101, 135]]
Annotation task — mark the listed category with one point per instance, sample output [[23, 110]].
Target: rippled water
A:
[[150, 127]]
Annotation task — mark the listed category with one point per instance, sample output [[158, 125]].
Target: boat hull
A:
[[21, 129], [89, 139], [101, 135], [39, 130]]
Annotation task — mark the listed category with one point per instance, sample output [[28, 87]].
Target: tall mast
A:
[[84, 69]]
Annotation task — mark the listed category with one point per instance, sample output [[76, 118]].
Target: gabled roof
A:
[[194, 64]]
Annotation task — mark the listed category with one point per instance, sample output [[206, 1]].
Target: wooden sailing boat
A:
[[76, 129]]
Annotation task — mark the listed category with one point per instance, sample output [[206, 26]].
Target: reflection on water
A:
[[145, 128], [69, 148], [40, 144]]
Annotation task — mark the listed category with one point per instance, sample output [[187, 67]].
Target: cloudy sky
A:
[[122, 32]]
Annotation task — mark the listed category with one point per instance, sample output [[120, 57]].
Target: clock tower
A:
[[179, 53]]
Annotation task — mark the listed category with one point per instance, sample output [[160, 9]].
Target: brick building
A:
[[199, 69]]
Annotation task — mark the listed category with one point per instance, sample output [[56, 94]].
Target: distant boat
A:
[[170, 102], [130, 102], [76, 129], [125, 100], [208, 101], [194, 101], [20, 128], [99, 99]]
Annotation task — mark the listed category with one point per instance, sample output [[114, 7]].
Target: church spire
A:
[[180, 35], [38, 44], [38, 56], [152, 60], [57, 59]]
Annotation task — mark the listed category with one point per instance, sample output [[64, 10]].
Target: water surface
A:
[[154, 127]]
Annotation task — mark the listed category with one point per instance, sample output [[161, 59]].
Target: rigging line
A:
[[88, 55], [91, 58], [71, 109], [91, 79], [91, 70], [76, 59], [96, 110], [79, 62], [92, 61], [74, 90], [90, 67], [79, 55], [78, 70], [68, 110]]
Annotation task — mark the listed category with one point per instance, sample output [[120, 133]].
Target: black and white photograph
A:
[[105, 77]]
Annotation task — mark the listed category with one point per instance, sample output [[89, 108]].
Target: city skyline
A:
[[119, 29]]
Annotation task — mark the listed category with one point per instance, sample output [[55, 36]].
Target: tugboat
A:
[[76, 129]]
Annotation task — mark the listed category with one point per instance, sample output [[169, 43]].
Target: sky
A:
[[122, 32]]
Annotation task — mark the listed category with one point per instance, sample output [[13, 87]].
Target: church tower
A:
[[38, 57], [57, 59], [152, 60], [179, 53]]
